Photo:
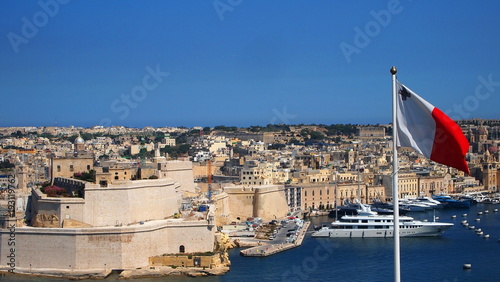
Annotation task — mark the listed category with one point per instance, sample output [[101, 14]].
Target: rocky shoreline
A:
[[59, 273], [170, 271], [157, 271]]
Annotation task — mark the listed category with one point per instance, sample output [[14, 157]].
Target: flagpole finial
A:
[[394, 70]]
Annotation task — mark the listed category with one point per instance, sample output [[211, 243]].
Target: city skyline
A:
[[242, 63]]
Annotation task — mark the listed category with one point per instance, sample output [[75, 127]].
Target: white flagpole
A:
[[395, 195]]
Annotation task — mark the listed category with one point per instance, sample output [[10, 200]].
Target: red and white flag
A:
[[429, 131]]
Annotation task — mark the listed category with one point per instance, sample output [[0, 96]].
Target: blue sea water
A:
[[372, 259]]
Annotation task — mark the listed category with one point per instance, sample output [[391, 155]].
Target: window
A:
[[58, 168], [182, 249], [71, 168], [88, 167]]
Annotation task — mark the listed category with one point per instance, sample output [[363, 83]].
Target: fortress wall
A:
[[38, 251], [124, 203], [240, 202], [181, 171], [131, 202], [271, 203], [222, 211], [104, 247], [62, 208]]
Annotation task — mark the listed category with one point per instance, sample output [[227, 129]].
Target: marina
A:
[[459, 254]]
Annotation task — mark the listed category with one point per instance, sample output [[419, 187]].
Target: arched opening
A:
[[182, 249]]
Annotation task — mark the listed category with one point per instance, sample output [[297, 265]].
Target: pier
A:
[[274, 247]]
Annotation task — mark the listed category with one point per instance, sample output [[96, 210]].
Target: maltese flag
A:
[[429, 131]]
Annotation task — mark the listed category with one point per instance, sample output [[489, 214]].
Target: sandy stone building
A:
[[326, 195], [238, 203]]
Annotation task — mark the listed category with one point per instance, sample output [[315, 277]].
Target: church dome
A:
[[79, 140], [483, 131]]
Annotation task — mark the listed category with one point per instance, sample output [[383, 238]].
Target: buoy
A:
[[464, 215], [453, 216], [467, 266]]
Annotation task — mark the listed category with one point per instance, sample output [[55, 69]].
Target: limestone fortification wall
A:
[[270, 202], [103, 247], [241, 202], [130, 202], [120, 203], [181, 171], [266, 202], [221, 207]]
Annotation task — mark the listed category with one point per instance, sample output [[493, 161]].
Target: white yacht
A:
[[371, 226], [414, 206], [428, 201]]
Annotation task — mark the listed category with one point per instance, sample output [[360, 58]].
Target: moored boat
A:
[[369, 225], [449, 202]]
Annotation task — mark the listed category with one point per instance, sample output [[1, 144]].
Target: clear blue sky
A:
[[241, 62]]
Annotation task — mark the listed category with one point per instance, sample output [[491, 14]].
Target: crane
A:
[[209, 180]]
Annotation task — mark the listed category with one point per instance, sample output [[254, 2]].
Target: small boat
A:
[[493, 201]]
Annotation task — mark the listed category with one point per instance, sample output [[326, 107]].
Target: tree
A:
[[85, 176], [304, 132], [17, 134], [175, 151], [72, 138], [6, 165], [276, 146], [207, 130], [226, 128], [255, 128], [87, 136], [316, 135]]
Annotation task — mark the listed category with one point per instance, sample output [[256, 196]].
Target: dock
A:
[[271, 249]]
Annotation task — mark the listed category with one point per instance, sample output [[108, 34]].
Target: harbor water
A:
[[371, 259]]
